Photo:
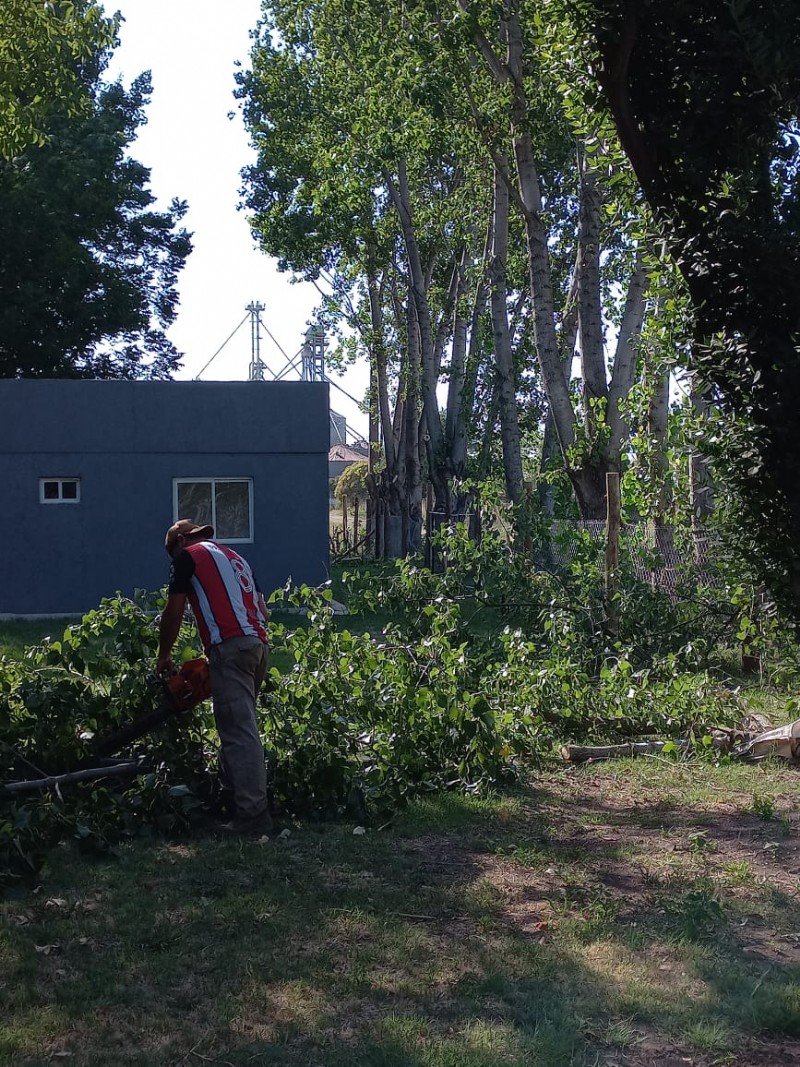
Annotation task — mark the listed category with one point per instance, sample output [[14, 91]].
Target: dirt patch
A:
[[651, 1053]]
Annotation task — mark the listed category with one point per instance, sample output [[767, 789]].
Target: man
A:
[[231, 618]]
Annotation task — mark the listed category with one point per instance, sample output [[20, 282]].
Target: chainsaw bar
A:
[[184, 690]]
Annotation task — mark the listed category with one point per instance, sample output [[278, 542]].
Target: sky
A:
[[196, 152]]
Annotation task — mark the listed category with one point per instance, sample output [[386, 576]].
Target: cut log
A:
[[583, 753]]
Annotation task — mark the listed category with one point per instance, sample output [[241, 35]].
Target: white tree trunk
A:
[[541, 283], [400, 196], [455, 423], [626, 357], [380, 359], [458, 448], [590, 314]]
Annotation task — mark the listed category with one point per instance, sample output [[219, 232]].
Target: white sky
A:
[[195, 152]]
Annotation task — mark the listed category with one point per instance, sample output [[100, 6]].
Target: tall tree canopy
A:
[[705, 96], [88, 269], [42, 47], [462, 228]]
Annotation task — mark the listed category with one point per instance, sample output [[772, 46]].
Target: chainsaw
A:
[[181, 691]]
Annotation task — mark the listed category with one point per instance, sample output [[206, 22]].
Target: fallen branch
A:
[[583, 753], [88, 774], [752, 743]]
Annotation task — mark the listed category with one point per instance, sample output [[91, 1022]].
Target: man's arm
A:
[[169, 627]]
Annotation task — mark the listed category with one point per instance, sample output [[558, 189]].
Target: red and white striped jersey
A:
[[222, 591]]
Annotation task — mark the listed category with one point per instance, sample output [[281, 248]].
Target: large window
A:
[[225, 503], [59, 490]]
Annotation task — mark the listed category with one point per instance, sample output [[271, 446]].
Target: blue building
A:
[[95, 471]]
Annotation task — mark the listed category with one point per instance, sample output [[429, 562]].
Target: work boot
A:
[[251, 826]]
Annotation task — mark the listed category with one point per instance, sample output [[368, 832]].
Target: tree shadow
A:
[[469, 933]]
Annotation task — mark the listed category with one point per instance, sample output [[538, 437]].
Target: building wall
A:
[[127, 441]]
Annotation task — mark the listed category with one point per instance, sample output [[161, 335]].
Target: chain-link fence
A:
[[660, 556]]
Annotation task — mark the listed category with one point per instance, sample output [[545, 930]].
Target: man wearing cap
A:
[[231, 618]]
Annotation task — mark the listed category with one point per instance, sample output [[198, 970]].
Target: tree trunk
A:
[[541, 283], [456, 415], [388, 486], [485, 452], [503, 355], [626, 358], [589, 484], [551, 451], [657, 426], [614, 508], [701, 486], [590, 316], [411, 433], [380, 360], [551, 454], [428, 378], [735, 249], [459, 418], [373, 444]]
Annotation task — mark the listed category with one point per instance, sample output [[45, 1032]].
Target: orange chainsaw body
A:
[[190, 686]]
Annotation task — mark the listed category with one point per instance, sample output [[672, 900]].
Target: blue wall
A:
[[126, 441]]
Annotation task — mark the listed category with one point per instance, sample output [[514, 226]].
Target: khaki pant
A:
[[238, 667]]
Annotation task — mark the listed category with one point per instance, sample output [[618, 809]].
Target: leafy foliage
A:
[[88, 269], [387, 716], [352, 482], [42, 49], [705, 98], [55, 701], [483, 669]]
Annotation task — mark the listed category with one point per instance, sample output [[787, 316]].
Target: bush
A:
[[485, 668], [386, 716], [55, 701]]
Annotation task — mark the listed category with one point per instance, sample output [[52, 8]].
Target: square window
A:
[[224, 503], [59, 490]]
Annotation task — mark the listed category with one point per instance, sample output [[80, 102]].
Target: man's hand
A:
[[164, 664]]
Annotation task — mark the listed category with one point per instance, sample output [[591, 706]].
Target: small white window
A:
[[224, 503], [59, 490]]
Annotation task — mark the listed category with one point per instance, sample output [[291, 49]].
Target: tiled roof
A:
[[348, 453]]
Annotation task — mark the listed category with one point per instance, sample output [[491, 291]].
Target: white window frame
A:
[[60, 499], [213, 482]]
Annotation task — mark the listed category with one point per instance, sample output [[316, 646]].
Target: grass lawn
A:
[[17, 634], [639, 914]]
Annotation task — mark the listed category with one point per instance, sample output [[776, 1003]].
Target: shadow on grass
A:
[[466, 934]]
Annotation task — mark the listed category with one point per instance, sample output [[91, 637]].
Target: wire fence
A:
[[664, 558]]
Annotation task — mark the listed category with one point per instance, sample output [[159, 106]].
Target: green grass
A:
[[597, 915], [570, 922], [17, 634]]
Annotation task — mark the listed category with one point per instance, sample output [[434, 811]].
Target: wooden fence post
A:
[[613, 508]]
